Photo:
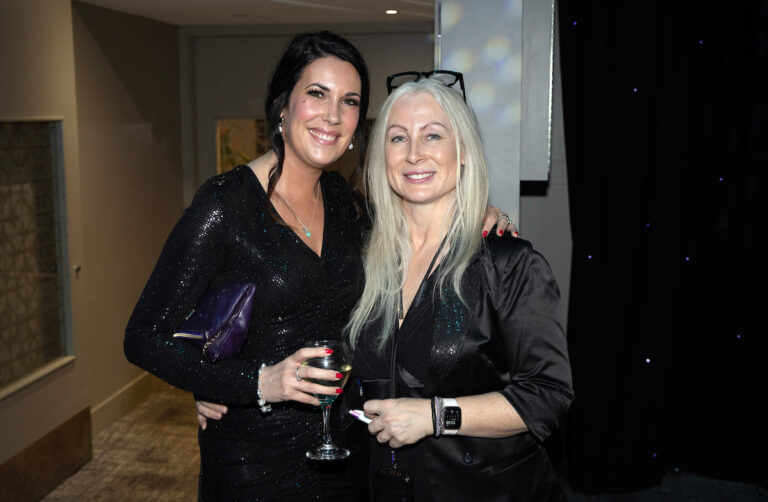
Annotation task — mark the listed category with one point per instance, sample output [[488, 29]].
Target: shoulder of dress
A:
[[502, 247], [230, 179], [505, 251], [231, 185]]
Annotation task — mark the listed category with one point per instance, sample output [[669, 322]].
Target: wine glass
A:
[[339, 361]]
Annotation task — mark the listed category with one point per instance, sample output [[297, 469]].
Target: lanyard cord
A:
[[394, 337], [400, 313]]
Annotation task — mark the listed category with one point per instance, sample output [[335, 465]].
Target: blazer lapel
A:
[[452, 321]]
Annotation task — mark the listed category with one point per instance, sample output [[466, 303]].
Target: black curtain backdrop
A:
[[666, 126]]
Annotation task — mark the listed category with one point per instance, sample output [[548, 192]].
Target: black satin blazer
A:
[[510, 341]]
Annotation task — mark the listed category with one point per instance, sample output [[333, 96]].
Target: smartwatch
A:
[[451, 417]]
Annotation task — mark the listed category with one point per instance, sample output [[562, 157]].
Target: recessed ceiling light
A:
[[391, 11]]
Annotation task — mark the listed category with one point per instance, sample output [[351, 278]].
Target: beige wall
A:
[[122, 162], [38, 80]]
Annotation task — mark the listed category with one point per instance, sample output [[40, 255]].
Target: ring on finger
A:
[[298, 378], [506, 217]]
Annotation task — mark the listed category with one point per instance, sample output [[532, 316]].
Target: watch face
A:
[[452, 418]]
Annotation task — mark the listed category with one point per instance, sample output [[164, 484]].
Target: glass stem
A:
[[326, 419]]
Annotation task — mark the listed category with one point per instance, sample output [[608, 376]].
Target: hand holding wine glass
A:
[[338, 361], [284, 382]]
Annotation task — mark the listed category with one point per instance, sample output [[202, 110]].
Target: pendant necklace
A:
[[304, 228]]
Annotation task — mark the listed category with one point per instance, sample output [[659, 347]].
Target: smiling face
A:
[[322, 113], [420, 150]]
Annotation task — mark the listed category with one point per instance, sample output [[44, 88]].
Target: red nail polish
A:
[[501, 232], [485, 233], [339, 391], [339, 375], [329, 351], [516, 234]]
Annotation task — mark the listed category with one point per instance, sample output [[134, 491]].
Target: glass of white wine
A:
[[340, 361]]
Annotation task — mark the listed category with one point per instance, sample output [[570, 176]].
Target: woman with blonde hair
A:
[[460, 356]]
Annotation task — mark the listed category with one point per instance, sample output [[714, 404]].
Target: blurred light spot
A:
[[481, 96], [510, 69], [647, 360], [462, 60], [451, 14], [514, 6], [575, 23], [497, 49], [390, 11], [510, 114]]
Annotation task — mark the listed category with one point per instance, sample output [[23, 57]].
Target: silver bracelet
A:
[[263, 406]]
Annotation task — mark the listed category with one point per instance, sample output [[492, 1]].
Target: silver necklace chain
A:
[[304, 227]]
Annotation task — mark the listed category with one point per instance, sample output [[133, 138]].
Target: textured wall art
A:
[[31, 313]]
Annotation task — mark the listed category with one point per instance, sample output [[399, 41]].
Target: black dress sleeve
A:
[[527, 319], [192, 257]]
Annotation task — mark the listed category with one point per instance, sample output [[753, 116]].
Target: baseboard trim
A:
[[47, 462], [124, 400]]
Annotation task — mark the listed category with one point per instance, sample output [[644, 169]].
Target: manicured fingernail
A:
[[339, 375], [485, 233], [339, 391], [501, 232], [516, 234], [329, 351]]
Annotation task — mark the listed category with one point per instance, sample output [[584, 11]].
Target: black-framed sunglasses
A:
[[445, 77]]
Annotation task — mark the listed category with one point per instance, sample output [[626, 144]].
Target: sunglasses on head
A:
[[445, 77]]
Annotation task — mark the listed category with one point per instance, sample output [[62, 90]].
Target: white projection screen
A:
[[504, 48]]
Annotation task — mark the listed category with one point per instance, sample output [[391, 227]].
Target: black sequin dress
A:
[[228, 236]]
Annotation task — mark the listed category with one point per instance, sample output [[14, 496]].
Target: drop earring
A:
[[280, 125], [351, 144]]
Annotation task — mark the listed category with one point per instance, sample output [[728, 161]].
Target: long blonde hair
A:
[[388, 252]]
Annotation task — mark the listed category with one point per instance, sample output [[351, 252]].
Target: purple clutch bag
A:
[[219, 323]]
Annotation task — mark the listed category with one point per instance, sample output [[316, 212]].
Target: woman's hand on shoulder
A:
[[495, 216], [287, 380], [399, 421], [206, 410]]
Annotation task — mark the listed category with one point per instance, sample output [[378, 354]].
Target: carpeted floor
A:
[[151, 455]]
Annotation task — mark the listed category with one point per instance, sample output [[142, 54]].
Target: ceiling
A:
[[254, 12]]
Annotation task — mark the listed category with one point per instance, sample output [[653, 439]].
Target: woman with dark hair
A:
[[282, 223]]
